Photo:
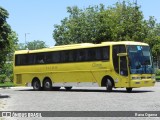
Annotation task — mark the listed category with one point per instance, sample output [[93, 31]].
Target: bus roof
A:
[[82, 45], [125, 43]]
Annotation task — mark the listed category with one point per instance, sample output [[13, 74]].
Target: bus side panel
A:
[[77, 72]]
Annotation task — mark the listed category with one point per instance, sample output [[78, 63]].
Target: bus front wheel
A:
[[109, 85], [36, 85]]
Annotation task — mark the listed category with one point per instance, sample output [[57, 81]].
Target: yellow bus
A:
[[124, 64]]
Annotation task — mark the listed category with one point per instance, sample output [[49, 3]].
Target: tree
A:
[[153, 38], [81, 26], [21, 46], [5, 30], [8, 44], [8, 38], [36, 44], [13, 40], [153, 35], [124, 21]]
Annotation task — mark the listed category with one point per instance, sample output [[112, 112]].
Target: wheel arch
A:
[[34, 79], [46, 78], [104, 79]]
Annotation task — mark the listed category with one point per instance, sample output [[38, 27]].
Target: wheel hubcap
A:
[[36, 84], [47, 85]]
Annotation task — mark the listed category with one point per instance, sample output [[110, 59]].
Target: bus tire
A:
[[36, 85], [68, 88], [129, 90], [109, 85], [47, 84]]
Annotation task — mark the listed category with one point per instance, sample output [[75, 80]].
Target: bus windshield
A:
[[140, 59]]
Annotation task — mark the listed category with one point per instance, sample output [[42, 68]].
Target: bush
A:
[[2, 78], [11, 77], [158, 72]]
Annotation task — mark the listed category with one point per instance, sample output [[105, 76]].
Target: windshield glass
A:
[[140, 59]]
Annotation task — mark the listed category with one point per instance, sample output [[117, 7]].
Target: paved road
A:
[[80, 99]]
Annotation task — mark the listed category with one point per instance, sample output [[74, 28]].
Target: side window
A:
[[31, 59], [102, 53], [24, 59], [40, 58], [98, 54], [81, 56], [21, 59], [65, 56], [56, 57], [91, 54], [74, 55], [48, 57], [105, 53], [70, 56], [17, 59]]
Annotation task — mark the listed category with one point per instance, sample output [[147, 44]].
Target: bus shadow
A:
[[91, 90], [4, 96], [113, 91]]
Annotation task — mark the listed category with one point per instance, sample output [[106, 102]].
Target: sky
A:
[[36, 18]]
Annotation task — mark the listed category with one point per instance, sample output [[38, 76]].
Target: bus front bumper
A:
[[142, 83]]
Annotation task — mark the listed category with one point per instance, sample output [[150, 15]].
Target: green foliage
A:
[[120, 22], [153, 35], [8, 38], [5, 30], [158, 72], [7, 71], [21, 46], [36, 44], [7, 84], [8, 44], [97, 24], [2, 78]]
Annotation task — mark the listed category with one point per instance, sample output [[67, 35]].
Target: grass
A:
[[7, 84], [158, 77]]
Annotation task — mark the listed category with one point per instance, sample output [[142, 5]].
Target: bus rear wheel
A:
[[109, 85], [47, 84], [68, 88], [36, 85], [129, 90]]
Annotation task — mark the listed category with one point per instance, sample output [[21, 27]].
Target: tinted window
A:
[[82, 55], [77, 55], [91, 54], [56, 57], [64, 56], [105, 53], [40, 58], [48, 57]]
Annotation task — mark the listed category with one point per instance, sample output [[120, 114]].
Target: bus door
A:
[[123, 70], [120, 64]]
